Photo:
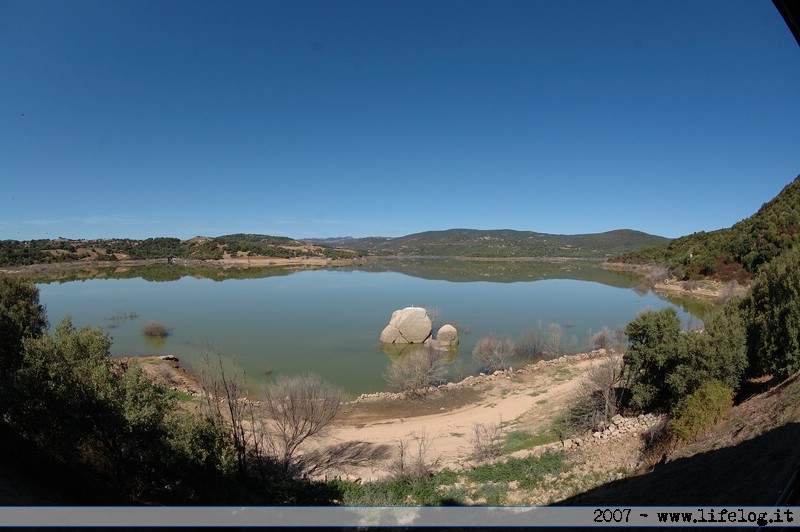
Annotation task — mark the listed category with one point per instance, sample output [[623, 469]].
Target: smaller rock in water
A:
[[447, 335]]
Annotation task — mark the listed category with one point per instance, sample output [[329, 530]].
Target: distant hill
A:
[[500, 243], [451, 243], [15, 253], [735, 252]]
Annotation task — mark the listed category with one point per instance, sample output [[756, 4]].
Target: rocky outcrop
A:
[[410, 325]]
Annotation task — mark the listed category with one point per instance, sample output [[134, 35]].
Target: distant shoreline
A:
[[262, 262], [706, 289]]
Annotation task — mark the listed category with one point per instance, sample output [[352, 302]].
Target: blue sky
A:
[[135, 118]]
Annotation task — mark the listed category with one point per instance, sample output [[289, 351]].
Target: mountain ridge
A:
[[499, 243], [496, 243]]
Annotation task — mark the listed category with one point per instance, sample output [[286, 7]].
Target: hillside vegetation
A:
[[451, 243], [13, 252], [735, 253], [501, 243]]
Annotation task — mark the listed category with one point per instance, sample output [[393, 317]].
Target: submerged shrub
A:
[[154, 329], [416, 371]]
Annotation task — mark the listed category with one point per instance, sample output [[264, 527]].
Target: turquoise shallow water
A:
[[328, 321]]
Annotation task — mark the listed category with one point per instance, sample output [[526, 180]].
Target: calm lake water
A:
[[328, 321]]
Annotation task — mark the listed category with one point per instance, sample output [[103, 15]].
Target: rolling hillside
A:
[[500, 243], [735, 252], [60, 250]]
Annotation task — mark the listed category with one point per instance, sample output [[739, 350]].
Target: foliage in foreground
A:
[[449, 488], [772, 313], [666, 364], [700, 410], [77, 405], [111, 426]]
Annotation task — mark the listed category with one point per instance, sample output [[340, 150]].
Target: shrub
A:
[[416, 371], [79, 406], [666, 365], [773, 317], [597, 399], [486, 441], [21, 317], [413, 463], [154, 329], [700, 410], [652, 355], [716, 353], [297, 409], [530, 344], [602, 339], [554, 336], [494, 351]]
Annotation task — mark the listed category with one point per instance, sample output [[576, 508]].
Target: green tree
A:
[[21, 317], [718, 353], [773, 317], [82, 407], [652, 355], [667, 365]]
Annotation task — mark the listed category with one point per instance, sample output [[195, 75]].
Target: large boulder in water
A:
[[410, 325]]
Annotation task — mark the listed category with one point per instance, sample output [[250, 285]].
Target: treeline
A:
[[735, 253], [15, 253]]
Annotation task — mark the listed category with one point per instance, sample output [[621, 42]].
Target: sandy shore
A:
[[444, 420]]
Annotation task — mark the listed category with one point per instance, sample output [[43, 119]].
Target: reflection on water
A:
[[328, 321], [156, 343]]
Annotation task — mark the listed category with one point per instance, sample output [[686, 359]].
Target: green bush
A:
[[666, 365], [772, 311], [21, 317], [700, 410], [652, 355]]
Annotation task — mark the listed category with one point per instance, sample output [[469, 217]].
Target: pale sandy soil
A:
[[525, 400], [445, 419]]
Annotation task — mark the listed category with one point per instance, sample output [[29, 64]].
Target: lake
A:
[[328, 320]]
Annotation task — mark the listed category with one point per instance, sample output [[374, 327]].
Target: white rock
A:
[[410, 325], [447, 335]]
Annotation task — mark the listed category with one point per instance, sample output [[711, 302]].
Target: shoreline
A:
[[705, 289], [262, 262], [167, 371], [708, 290]]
